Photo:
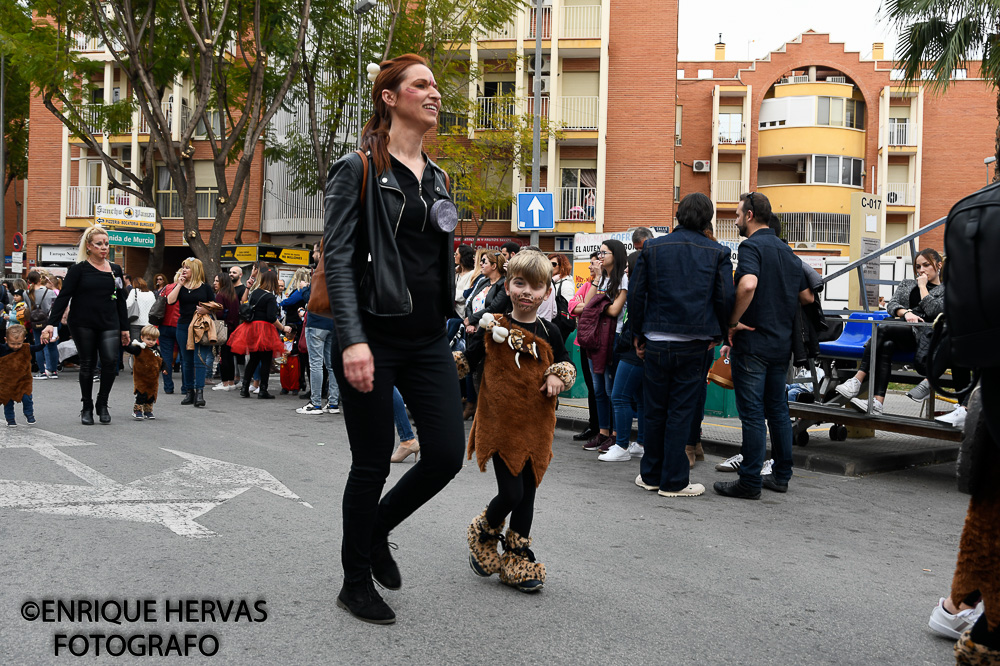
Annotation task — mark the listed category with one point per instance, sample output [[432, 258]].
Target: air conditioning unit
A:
[[805, 246], [702, 166], [532, 65], [545, 84], [892, 198], [800, 166]]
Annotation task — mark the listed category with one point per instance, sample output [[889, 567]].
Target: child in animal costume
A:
[[146, 371], [524, 368], [15, 374]]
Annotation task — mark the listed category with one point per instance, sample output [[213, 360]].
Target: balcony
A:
[[816, 228], [902, 133], [503, 33], [726, 231], [732, 137], [490, 110], [900, 194], [580, 22], [544, 106], [729, 191], [82, 199], [577, 204], [580, 113], [81, 42], [546, 23]]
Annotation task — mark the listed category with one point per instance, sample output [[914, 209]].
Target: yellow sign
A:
[[245, 253], [295, 257], [129, 217]]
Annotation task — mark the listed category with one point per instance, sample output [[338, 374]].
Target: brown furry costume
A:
[[514, 419], [15, 375], [146, 373]]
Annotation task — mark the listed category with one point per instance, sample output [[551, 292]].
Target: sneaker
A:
[[953, 626], [636, 449], [642, 484], [310, 409], [766, 469], [954, 418], [148, 416], [255, 389], [692, 490], [332, 409], [41, 375], [137, 414], [11, 424], [220, 387], [615, 454], [595, 442], [730, 464], [877, 406], [53, 375], [31, 419], [606, 445], [849, 389], [919, 392]]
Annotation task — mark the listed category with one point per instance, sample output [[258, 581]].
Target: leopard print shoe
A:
[[518, 567], [483, 556], [969, 653]]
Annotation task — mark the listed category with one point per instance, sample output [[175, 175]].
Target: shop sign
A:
[[131, 239], [57, 254], [131, 217]]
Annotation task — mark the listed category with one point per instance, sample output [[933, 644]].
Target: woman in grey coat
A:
[[921, 299]]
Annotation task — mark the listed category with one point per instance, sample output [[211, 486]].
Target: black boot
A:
[[384, 569], [199, 398], [188, 398], [87, 413], [245, 391], [102, 412], [264, 395], [363, 602]]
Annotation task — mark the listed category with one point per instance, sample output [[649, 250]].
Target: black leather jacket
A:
[[360, 257]]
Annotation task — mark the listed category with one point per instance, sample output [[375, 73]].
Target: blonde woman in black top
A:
[[98, 319]]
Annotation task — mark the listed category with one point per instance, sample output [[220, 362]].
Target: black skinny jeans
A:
[[426, 379], [91, 344], [263, 359], [891, 339], [591, 396], [515, 496], [227, 363]]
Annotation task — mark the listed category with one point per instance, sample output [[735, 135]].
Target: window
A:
[[705, 74], [168, 203], [731, 128], [680, 73], [677, 125], [840, 112], [677, 181], [959, 74], [896, 75], [213, 117], [579, 194], [837, 170]]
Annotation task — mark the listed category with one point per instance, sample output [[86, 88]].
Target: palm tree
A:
[[940, 36]]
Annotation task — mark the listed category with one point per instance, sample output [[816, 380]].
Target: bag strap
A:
[[364, 178]]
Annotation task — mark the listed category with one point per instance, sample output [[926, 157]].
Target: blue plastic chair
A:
[[856, 333]]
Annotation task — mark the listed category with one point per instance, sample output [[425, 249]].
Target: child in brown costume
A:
[[524, 367], [146, 372], [15, 374]]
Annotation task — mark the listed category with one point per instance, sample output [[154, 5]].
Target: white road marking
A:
[[174, 498]]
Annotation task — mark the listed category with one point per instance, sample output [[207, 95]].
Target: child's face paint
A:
[[525, 297]]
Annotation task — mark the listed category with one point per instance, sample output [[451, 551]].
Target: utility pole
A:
[[536, 137]]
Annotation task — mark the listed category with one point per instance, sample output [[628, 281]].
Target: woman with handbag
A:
[[259, 336], [225, 295], [98, 319], [139, 301], [190, 292], [390, 316], [575, 310]]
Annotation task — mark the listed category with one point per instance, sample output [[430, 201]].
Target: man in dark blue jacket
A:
[[770, 285], [679, 303]]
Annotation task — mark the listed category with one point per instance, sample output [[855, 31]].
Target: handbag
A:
[[933, 357], [721, 372], [303, 346], [158, 311], [972, 470], [221, 331], [133, 307]]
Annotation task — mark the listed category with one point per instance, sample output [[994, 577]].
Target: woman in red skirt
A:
[[259, 336]]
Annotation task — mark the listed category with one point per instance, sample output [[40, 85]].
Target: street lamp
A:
[[361, 8], [988, 161]]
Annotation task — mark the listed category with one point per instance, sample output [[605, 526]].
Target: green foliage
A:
[[14, 20]]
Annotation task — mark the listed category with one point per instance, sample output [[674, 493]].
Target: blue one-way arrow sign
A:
[[535, 211]]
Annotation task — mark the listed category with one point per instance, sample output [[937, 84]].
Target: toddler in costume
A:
[[15, 374], [146, 371], [524, 368]]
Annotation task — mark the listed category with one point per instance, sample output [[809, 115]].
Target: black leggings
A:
[[263, 359], [515, 496], [426, 379], [92, 343], [591, 397], [227, 363], [891, 339]]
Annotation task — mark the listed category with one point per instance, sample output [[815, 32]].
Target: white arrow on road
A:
[[173, 498], [535, 207]]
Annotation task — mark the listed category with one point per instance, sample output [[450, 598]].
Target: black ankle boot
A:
[[87, 413], [363, 602], [264, 395], [102, 413], [384, 568], [244, 391], [188, 398], [199, 398]]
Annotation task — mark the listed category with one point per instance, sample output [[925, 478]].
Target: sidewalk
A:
[[884, 452]]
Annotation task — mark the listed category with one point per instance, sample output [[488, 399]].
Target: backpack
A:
[[246, 309], [565, 323], [36, 315], [972, 290]]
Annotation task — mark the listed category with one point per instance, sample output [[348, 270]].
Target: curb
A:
[[819, 461]]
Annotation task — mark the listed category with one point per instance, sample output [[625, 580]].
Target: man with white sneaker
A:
[[679, 303]]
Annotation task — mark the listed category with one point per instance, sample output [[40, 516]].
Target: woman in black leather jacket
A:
[[391, 283], [489, 294]]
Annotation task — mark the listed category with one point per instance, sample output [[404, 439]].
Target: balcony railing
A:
[[544, 106], [121, 198], [81, 200], [491, 109], [83, 43], [729, 190], [900, 194], [504, 32], [725, 230], [902, 133], [816, 228], [546, 23], [732, 136], [578, 203], [581, 22], [580, 113]]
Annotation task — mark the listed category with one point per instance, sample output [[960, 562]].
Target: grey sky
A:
[[765, 25]]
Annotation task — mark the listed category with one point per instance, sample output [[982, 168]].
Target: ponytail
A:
[[375, 136]]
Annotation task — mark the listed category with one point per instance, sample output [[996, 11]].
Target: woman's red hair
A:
[[375, 136]]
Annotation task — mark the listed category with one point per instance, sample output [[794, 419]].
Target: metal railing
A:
[[82, 42], [732, 136], [490, 110], [543, 106], [729, 190], [900, 194], [580, 112], [546, 23], [581, 22], [81, 199], [121, 198], [836, 79], [816, 228], [504, 32], [902, 133], [578, 203], [725, 230]]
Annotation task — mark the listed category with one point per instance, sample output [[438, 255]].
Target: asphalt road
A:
[[838, 571]]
